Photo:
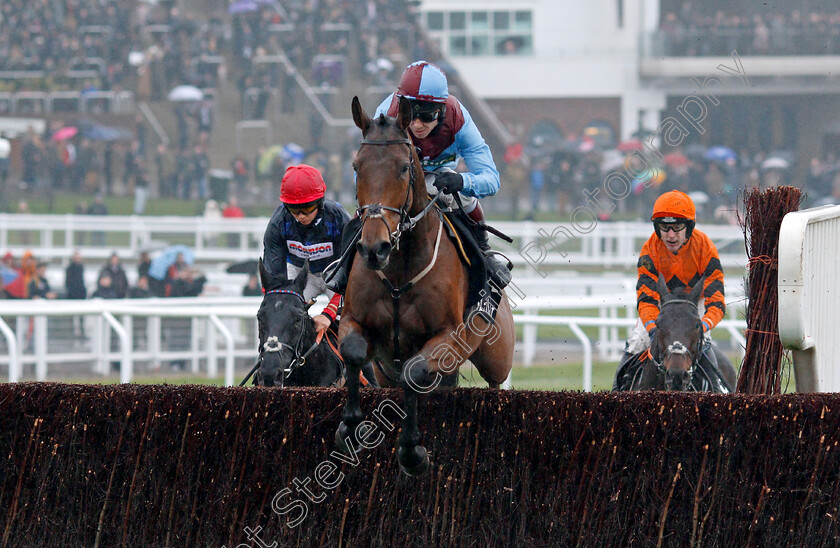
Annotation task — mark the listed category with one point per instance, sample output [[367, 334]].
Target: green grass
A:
[[550, 376]]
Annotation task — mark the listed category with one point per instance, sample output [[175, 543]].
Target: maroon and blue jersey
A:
[[455, 137]]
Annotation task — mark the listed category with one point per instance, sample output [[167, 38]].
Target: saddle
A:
[[483, 297]]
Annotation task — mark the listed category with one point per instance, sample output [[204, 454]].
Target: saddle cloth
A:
[[483, 297]]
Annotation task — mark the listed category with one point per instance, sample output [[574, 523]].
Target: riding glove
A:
[[449, 182]]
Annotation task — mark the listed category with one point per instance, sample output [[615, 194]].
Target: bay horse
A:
[[676, 348], [290, 355], [406, 296]]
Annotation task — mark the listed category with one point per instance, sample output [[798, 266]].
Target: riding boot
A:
[[709, 362], [499, 272], [621, 382], [337, 273]]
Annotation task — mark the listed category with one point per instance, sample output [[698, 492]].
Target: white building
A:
[[574, 63]]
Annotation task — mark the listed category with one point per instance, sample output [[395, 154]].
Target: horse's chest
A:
[[411, 327]]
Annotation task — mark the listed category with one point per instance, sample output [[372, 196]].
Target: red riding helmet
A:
[[423, 81], [302, 184], [671, 207]]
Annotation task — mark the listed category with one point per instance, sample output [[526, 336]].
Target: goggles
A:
[[426, 117], [294, 210], [672, 227]]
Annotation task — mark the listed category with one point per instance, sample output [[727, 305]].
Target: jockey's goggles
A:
[[305, 210], [671, 227], [426, 117]]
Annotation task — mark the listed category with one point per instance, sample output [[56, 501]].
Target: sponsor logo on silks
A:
[[437, 162], [311, 251]]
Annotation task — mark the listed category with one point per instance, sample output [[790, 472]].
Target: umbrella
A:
[[106, 133], [587, 144], [245, 267], [162, 262], [5, 148], [612, 160], [243, 6], [7, 275], [185, 93], [264, 162], [775, 162], [65, 133], [630, 146], [719, 154], [292, 154], [676, 159]]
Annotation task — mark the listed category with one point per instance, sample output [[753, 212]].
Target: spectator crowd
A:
[[699, 29]]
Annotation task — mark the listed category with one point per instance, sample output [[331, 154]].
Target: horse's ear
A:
[[662, 289], [264, 275], [694, 296], [300, 279], [360, 117], [404, 113]]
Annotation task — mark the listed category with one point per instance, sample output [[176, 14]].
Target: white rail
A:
[[35, 341], [537, 247]]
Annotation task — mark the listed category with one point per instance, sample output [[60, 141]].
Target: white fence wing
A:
[[809, 307]]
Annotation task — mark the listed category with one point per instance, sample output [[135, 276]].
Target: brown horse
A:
[[406, 297]]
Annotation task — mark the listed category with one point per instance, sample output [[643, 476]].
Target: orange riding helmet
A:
[[672, 207]]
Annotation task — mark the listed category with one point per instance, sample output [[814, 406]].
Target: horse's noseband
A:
[[374, 211]]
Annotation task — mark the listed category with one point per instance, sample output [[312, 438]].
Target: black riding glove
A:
[[449, 182]]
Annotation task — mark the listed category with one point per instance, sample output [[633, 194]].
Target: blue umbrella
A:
[[720, 154], [7, 275], [106, 133], [162, 262], [243, 6]]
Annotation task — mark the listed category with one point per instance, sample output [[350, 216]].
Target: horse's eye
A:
[[404, 169]]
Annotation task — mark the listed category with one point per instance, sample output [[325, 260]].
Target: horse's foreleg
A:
[[411, 456], [354, 349]]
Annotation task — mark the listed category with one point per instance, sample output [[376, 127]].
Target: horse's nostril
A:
[[383, 250]]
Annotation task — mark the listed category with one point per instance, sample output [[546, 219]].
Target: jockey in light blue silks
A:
[[443, 131]]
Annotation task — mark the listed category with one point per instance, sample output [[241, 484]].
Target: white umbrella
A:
[[185, 93], [775, 162], [5, 148]]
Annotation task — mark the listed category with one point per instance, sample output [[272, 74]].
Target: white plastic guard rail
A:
[[536, 245], [215, 311], [809, 311]]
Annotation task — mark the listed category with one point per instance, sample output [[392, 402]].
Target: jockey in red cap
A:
[[306, 225]]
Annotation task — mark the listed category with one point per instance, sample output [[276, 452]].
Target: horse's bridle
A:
[[677, 347], [374, 211], [273, 344]]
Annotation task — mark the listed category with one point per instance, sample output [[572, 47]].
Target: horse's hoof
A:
[[342, 434], [413, 461]]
